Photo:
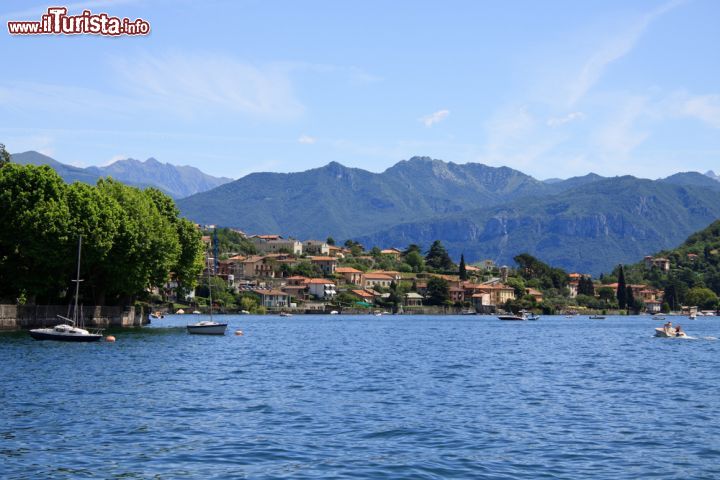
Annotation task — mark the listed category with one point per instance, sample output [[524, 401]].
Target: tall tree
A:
[[437, 257], [438, 291], [622, 288], [4, 155], [462, 271], [630, 298], [330, 241]]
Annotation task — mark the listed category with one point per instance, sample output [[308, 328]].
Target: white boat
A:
[[669, 333], [597, 317], [334, 312], [521, 316], [285, 314], [207, 327], [70, 330]]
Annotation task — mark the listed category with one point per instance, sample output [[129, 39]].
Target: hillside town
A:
[[285, 275]]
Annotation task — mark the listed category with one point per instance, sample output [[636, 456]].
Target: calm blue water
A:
[[367, 397]]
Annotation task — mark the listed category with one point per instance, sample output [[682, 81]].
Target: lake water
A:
[[367, 397]]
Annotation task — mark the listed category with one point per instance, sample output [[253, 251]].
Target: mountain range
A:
[[587, 223], [176, 181]]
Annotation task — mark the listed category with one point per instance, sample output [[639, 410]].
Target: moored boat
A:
[[70, 330]]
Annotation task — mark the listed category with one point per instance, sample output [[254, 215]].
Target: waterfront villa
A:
[[321, 288], [272, 299], [350, 275]]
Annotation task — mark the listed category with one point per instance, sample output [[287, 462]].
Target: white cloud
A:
[[615, 49], [703, 107], [307, 139], [433, 118], [621, 135], [192, 83], [570, 117]]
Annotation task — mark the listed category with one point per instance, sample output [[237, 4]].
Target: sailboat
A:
[[208, 327], [70, 330]]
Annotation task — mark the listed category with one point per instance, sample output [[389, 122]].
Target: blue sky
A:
[[553, 88]]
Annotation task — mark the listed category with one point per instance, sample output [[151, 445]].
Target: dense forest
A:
[[132, 239]]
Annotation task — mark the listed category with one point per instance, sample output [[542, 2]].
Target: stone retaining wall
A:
[[24, 317]]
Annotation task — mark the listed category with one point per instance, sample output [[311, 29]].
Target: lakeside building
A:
[[370, 280], [316, 247], [350, 275], [659, 262], [272, 299], [276, 244], [328, 265], [321, 288]]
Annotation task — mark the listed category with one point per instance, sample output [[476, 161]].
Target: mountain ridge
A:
[[176, 181], [478, 210]]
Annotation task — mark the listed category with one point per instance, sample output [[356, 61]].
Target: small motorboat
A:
[[285, 314], [334, 312], [663, 332], [196, 312], [521, 316], [597, 317], [155, 316]]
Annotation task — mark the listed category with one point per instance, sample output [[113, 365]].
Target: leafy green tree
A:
[[702, 297], [438, 291], [531, 268], [437, 257], [622, 289], [4, 155], [462, 270], [375, 252], [606, 293], [415, 260], [35, 236], [412, 248], [330, 241], [146, 246]]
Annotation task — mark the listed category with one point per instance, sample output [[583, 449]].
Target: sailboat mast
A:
[[77, 282], [209, 286]]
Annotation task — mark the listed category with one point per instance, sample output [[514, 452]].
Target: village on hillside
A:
[[285, 274]]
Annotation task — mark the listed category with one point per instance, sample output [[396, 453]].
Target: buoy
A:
[[109, 338], [239, 332]]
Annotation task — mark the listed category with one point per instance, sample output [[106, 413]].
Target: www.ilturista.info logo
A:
[[57, 22]]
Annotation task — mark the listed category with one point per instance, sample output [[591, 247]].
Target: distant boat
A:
[[208, 327], [334, 312], [71, 330], [597, 317], [521, 316], [285, 314]]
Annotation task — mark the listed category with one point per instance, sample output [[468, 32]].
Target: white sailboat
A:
[[70, 330], [208, 327]]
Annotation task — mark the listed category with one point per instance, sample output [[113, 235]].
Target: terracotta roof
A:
[[320, 281], [377, 276], [363, 293], [270, 292], [347, 270], [323, 259]]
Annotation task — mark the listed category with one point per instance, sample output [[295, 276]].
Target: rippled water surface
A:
[[367, 397]]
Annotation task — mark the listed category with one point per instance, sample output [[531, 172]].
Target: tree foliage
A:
[[438, 291], [4, 155], [622, 288], [437, 257], [531, 268], [132, 239]]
